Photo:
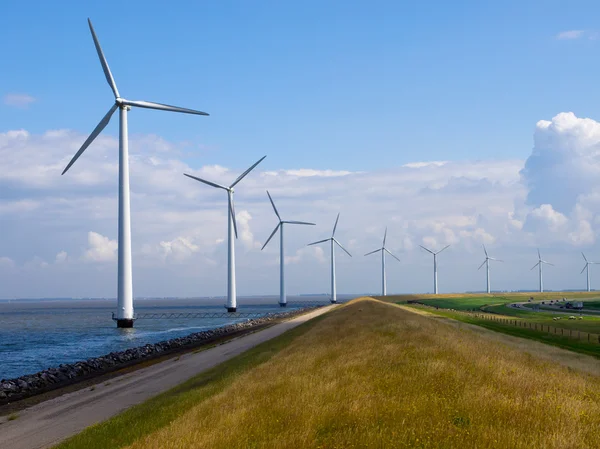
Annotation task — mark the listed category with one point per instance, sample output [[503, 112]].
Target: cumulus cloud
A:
[[101, 248], [6, 262], [61, 257], [21, 101], [179, 226]]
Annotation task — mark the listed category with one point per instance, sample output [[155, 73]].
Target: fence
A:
[[524, 324]]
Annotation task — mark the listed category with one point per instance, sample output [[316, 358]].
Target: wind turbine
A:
[[282, 297], [486, 262], [125, 315], [232, 231], [435, 284], [587, 267], [383, 250], [333, 241], [540, 263]]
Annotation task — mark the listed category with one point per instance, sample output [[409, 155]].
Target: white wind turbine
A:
[[231, 234], [435, 283], [125, 316], [540, 263], [282, 297], [587, 267], [333, 241], [383, 250], [486, 262]]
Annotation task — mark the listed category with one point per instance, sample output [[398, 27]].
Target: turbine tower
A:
[[333, 243], [125, 316], [282, 297], [435, 283], [486, 262], [587, 267], [231, 233], [383, 250], [540, 263]]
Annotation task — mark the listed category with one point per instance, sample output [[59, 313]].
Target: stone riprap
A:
[[67, 374]]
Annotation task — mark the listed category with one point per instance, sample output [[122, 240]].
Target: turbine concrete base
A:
[[231, 309], [124, 323], [283, 304]]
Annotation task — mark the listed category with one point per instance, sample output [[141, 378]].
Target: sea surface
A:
[[39, 334]]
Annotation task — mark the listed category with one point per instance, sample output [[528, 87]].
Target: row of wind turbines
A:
[[125, 313]]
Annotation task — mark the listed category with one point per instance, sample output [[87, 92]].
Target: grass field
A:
[[369, 375], [494, 298]]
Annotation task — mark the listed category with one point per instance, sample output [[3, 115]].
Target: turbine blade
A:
[[273, 204], [320, 241], [384, 236], [445, 247], [548, 263], [584, 258], [428, 250], [246, 172], [387, 251], [232, 212], [212, 184], [97, 130], [585, 266], [497, 260], [485, 251], [373, 252], [535, 266], [335, 225], [161, 107], [339, 244], [271, 236], [482, 264], [539, 255], [105, 68], [299, 223]]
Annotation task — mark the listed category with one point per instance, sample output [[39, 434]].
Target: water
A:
[[35, 335]]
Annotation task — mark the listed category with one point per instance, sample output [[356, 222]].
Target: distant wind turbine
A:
[[333, 241], [231, 234], [587, 267], [540, 264], [279, 227], [486, 262], [435, 280], [125, 315], [383, 250]]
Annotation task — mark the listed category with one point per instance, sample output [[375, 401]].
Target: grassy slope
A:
[[562, 341], [368, 375]]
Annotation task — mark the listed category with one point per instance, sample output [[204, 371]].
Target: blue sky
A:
[[457, 123], [358, 85]]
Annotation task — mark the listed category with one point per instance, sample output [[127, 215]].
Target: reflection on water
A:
[[41, 334]]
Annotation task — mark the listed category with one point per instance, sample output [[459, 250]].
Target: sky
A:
[[458, 123]]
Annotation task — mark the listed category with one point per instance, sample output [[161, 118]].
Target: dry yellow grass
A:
[[374, 375]]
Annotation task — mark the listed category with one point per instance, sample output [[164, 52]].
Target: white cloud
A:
[[179, 226], [578, 34], [6, 263], [101, 248], [571, 34], [21, 101], [61, 257]]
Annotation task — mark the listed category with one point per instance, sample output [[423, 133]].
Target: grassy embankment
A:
[[368, 375], [499, 305]]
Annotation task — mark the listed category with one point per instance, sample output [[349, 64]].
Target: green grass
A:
[[467, 303], [559, 340], [370, 374], [140, 420], [12, 417]]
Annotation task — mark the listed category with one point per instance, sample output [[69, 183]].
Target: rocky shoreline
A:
[[67, 374]]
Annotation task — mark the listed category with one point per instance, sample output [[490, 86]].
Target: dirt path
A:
[[50, 422]]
